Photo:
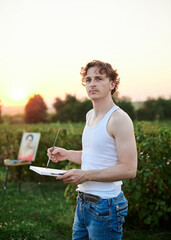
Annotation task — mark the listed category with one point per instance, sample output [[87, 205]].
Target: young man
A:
[[109, 156]]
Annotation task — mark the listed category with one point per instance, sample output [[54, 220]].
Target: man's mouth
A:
[[93, 91]]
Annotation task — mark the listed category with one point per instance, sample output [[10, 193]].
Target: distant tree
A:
[[71, 109], [35, 110], [148, 111], [58, 105], [66, 109], [164, 106], [155, 109], [82, 108]]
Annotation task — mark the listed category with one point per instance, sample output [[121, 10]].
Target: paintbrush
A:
[[52, 148]]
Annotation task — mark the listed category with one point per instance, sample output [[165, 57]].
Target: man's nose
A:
[[93, 83]]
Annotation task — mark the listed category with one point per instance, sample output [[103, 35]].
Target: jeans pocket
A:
[[99, 211], [121, 212]]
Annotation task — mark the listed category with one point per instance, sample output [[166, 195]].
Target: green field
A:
[[30, 216]]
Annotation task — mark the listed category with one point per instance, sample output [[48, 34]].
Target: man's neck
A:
[[102, 107]]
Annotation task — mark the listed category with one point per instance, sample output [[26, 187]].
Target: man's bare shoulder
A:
[[120, 120], [120, 115], [88, 113]]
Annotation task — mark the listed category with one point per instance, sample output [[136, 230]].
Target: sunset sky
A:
[[44, 43]]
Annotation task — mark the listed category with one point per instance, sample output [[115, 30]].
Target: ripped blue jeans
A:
[[100, 221]]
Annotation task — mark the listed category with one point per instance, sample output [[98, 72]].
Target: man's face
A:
[[98, 85]]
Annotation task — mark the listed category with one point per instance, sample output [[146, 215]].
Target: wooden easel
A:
[[22, 162]]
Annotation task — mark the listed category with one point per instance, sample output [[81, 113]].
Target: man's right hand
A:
[[58, 154]]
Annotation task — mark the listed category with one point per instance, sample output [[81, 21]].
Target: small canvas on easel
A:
[[28, 146]]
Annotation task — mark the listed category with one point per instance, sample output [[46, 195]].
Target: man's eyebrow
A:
[[94, 76], [87, 77], [99, 76]]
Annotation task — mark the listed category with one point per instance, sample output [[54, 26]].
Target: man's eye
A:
[[98, 78], [88, 80]]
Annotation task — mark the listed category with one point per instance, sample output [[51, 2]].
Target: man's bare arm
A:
[[61, 154]]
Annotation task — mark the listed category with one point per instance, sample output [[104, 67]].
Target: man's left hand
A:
[[73, 176]]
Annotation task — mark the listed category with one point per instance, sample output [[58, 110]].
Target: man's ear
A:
[[112, 83]]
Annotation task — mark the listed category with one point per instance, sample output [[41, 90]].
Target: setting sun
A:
[[16, 96], [19, 94]]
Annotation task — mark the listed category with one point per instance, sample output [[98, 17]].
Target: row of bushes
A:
[[148, 194]]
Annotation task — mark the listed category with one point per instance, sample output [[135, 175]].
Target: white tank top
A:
[[99, 152]]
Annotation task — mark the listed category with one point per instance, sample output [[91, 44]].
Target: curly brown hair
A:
[[103, 68]]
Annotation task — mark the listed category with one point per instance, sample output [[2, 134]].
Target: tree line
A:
[[74, 110]]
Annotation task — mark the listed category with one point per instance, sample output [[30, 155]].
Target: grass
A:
[[29, 216], [130, 234]]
